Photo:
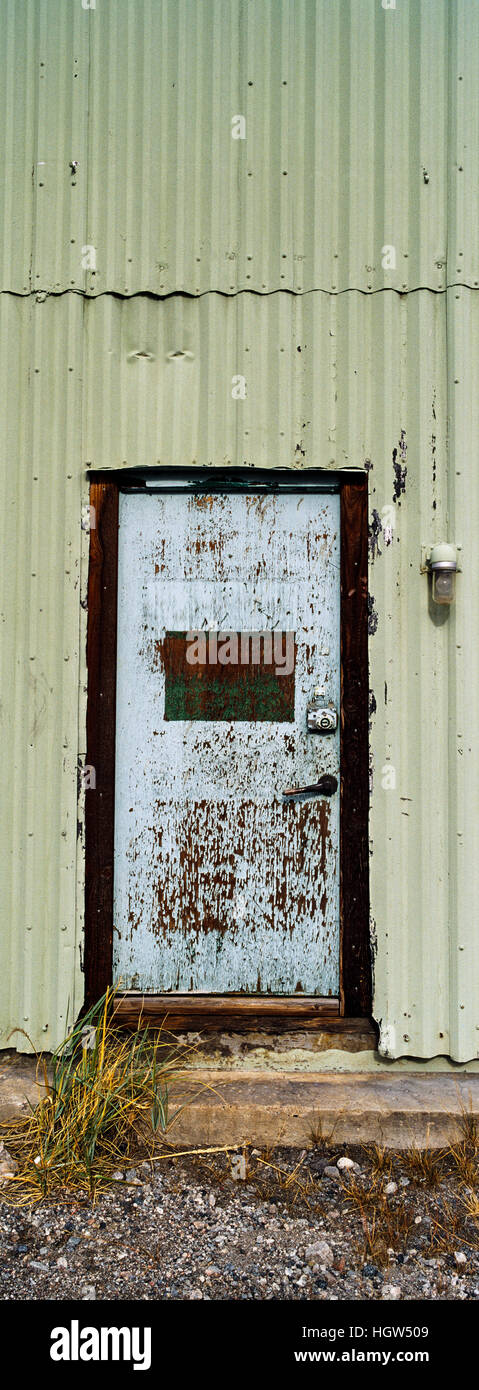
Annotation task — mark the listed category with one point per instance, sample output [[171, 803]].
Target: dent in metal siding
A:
[[40, 663], [282, 382], [361, 134]]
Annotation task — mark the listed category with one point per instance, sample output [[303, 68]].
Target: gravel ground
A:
[[188, 1230]]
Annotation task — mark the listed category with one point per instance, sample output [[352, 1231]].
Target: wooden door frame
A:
[[236, 1011]]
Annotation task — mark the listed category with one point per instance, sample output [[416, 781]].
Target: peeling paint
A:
[[218, 881], [373, 617], [372, 707], [374, 534], [400, 468]]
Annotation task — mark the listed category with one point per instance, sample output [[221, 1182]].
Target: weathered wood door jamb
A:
[[232, 1011]]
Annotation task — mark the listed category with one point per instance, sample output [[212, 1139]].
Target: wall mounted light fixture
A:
[[442, 565]]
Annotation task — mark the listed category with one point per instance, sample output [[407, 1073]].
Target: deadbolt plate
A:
[[322, 721]]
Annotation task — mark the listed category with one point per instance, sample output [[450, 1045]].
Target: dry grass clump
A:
[[424, 1165], [380, 1159], [292, 1186], [106, 1097], [465, 1163], [385, 1225]]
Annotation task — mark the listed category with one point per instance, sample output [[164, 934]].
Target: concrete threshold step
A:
[[264, 1108], [261, 1109]]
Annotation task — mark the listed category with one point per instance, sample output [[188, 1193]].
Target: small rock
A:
[[390, 1188], [39, 1264], [319, 1252], [117, 1176], [347, 1164], [460, 1257], [238, 1167], [8, 1167], [391, 1291], [212, 1270], [404, 1182], [318, 1165], [72, 1242], [370, 1271], [131, 1175], [330, 1171], [62, 1262], [88, 1293], [212, 1199]]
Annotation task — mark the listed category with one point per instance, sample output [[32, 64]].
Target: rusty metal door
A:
[[228, 630]]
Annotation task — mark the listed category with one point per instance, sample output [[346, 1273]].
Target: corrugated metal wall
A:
[[41, 662], [361, 132]]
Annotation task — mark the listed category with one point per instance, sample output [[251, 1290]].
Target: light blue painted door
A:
[[228, 633]]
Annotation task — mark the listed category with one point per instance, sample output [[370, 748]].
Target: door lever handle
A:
[[326, 786]]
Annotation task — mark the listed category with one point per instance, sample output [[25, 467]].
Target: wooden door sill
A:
[[238, 1013]]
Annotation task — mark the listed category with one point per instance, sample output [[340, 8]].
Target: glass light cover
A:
[[443, 586]]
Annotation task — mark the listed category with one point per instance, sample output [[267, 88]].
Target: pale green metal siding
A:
[[331, 166], [463, 671], [362, 130], [41, 660], [17, 138], [463, 133], [330, 381]]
